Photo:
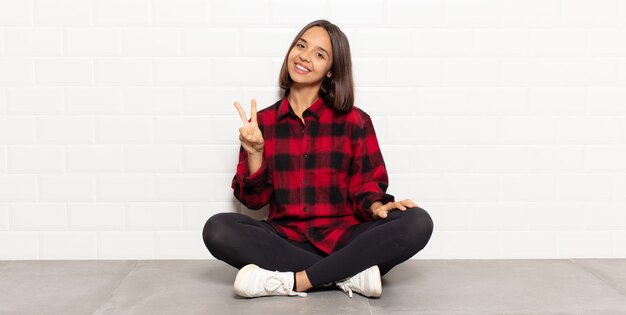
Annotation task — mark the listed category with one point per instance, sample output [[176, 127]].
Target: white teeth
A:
[[301, 68]]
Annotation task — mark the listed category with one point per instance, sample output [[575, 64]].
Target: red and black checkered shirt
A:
[[319, 177]]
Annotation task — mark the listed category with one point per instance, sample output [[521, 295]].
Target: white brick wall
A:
[[505, 119]]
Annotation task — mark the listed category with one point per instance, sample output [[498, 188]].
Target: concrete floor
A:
[[579, 286]]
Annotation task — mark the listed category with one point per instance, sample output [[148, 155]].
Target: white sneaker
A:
[[253, 281], [366, 282]]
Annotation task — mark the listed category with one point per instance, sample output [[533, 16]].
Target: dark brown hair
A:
[[338, 90]]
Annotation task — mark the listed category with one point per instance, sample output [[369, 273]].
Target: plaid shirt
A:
[[319, 177]]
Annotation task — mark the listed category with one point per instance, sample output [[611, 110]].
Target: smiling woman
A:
[[320, 43], [314, 157]]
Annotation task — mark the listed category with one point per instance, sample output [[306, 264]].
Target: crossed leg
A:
[[240, 240]]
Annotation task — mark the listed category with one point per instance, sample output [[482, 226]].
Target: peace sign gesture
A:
[[250, 135]]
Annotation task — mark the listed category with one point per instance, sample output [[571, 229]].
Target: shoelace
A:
[[345, 286], [279, 283]]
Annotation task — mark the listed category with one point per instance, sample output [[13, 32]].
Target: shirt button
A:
[[306, 156], [304, 209]]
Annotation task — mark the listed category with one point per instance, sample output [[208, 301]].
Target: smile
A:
[[302, 68]]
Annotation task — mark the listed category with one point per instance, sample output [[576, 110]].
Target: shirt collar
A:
[[315, 109]]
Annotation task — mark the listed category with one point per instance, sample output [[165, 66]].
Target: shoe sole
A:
[[377, 285], [240, 275]]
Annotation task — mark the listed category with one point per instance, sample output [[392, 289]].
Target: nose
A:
[[304, 56]]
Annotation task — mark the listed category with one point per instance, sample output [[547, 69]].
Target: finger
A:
[[242, 114], [392, 205], [400, 206], [380, 214], [253, 112], [377, 213], [243, 132], [257, 134], [383, 208], [243, 141], [247, 147]]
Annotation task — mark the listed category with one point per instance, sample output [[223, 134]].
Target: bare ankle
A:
[[302, 282]]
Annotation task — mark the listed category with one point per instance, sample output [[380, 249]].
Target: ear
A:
[[329, 74]]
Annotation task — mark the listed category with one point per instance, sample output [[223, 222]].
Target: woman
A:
[[315, 159]]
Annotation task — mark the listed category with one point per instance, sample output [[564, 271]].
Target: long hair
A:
[[338, 90]]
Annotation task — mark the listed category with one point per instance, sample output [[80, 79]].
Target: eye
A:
[[300, 45], [319, 55]]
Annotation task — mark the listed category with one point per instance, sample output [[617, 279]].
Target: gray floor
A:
[[579, 286]]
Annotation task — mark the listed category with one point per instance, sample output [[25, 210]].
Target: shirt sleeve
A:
[[253, 190], [368, 174]]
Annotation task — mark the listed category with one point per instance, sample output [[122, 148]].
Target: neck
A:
[[302, 97]]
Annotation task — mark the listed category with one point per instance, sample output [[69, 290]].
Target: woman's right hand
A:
[[250, 135]]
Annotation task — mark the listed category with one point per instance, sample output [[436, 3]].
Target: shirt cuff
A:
[[258, 178]]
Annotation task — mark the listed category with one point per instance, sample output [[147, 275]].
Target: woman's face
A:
[[311, 58]]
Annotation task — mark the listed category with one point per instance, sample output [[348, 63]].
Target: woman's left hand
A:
[[382, 211]]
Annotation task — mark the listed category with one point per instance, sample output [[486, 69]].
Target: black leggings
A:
[[240, 240]]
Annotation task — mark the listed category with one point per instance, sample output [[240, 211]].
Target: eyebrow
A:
[[320, 47]]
